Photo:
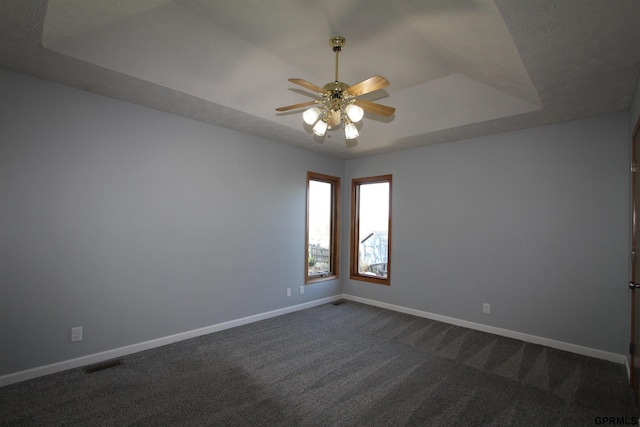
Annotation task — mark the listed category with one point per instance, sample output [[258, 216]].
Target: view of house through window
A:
[[322, 226], [371, 229]]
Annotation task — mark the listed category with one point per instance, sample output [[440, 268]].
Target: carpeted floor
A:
[[333, 365]]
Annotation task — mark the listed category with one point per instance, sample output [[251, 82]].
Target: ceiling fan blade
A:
[[308, 85], [374, 107], [296, 106], [368, 85]]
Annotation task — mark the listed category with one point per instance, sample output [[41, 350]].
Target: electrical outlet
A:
[[288, 292], [302, 290], [76, 334], [486, 308]]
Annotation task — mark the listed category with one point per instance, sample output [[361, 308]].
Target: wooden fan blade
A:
[[296, 106], [374, 107], [308, 85], [368, 85]]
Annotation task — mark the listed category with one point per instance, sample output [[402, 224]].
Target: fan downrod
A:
[[336, 43]]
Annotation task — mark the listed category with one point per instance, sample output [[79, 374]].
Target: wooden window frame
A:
[[354, 274], [334, 263]]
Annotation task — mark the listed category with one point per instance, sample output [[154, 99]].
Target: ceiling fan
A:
[[339, 103]]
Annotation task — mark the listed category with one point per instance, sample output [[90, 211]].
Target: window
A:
[[371, 229], [323, 195]]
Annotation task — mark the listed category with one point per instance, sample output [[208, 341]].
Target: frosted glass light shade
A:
[[354, 112], [311, 115], [320, 128], [350, 131]]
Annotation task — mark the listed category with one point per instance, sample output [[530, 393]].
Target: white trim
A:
[[147, 345], [626, 365], [560, 345]]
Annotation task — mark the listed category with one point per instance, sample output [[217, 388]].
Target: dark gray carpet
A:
[[333, 365]]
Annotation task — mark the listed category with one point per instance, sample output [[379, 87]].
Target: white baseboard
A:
[[560, 345], [147, 345]]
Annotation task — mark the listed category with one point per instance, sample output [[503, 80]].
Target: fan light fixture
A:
[[338, 103]]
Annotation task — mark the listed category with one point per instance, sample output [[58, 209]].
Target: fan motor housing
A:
[[335, 87], [335, 94]]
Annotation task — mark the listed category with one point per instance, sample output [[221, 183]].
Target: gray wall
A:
[[533, 222], [137, 224]]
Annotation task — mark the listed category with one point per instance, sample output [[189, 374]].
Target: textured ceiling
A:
[[458, 68]]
